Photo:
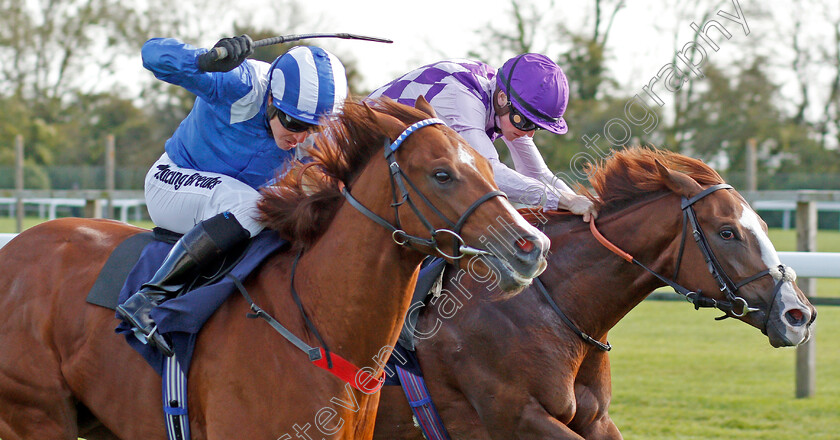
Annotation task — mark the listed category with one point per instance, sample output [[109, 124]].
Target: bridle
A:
[[322, 356], [401, 196], [734, 305]]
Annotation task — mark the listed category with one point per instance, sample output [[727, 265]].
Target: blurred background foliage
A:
[[64, 87]]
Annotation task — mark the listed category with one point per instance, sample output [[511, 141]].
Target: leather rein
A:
[[322, 356], [398, 185], [734, 305]]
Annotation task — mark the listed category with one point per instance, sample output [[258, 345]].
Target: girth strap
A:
[[421, 404], [174, 383]]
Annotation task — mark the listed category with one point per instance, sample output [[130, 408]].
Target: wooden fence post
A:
[[19, 183], [93, 208], [110, 167], [806, 354], [752, 165]]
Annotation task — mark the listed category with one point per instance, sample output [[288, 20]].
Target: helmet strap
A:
[[270, 112]]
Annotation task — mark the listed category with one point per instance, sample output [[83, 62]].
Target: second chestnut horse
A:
[[515, 370]]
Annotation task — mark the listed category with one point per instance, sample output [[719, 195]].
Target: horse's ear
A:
[[678, 182], [371, 114], [392, 126], [424, 106]]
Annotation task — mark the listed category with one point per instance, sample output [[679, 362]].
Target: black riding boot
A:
[[199, 248]]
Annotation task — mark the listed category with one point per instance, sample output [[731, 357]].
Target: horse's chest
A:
[[589, 404]]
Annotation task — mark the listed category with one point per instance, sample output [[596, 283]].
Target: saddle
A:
[[136, 259], [105, 291]]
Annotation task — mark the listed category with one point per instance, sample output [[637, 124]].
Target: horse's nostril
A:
[[524, 245], [795, 317]]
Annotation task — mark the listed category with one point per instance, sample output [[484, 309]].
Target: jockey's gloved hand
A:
[[238, 48], [579, 205]]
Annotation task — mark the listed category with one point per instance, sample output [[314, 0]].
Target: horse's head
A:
[[416, 177], [748, 280], [455, 201], [716, 232]]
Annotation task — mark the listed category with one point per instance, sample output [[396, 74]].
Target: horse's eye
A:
[[442, 177], [727, 234]]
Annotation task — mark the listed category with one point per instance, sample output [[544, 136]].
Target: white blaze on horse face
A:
[[465, 156], [750, 221]]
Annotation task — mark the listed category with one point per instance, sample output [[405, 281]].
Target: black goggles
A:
[[292, 124], [519, 120]]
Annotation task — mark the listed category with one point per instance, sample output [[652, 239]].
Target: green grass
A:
[[8, 225], [785, 240], [828, 241], [678, 374]]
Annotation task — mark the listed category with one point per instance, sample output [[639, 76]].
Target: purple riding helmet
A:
[[537, 88]]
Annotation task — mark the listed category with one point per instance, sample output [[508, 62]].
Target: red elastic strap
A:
[[357, 377]]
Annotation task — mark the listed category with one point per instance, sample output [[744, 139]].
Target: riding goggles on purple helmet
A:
[[519, 120], [538, 90]]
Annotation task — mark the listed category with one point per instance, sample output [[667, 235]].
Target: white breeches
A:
[[178, 198]]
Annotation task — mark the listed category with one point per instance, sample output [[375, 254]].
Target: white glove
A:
[[577, 204]]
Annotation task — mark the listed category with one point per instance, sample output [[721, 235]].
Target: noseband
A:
[[401, 196], [734, 305]]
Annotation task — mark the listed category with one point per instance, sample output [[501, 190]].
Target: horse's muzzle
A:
[[516, 263], [790, 319]]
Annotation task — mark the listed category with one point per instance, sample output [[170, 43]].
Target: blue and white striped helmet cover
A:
[[308, 82]]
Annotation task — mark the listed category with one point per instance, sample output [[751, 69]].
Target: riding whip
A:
[[221, 53]]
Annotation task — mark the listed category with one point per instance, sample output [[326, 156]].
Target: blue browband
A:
[[410, 129]]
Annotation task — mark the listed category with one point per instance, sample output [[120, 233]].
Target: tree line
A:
[[66, 89]]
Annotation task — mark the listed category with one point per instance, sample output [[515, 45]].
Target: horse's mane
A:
[[303, 203], [630, 175]]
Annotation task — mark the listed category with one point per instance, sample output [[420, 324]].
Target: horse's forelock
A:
[[302, 205], [631, 174], [348, 142]]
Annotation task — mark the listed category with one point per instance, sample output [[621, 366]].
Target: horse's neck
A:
[[601, 286], [357, 285]]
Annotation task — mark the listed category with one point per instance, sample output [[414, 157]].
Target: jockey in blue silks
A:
[[246, 122]]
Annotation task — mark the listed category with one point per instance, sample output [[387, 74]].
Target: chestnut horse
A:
[[514, 369], [64, 373]]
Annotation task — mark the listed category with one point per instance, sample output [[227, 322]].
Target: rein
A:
[[735, 305], [588, 339], [398, 184], [322, 357]]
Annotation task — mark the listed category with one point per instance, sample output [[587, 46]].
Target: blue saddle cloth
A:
[[181, 318]]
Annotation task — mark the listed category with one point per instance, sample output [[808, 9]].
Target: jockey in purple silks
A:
[[528, 93], [246, 122]]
